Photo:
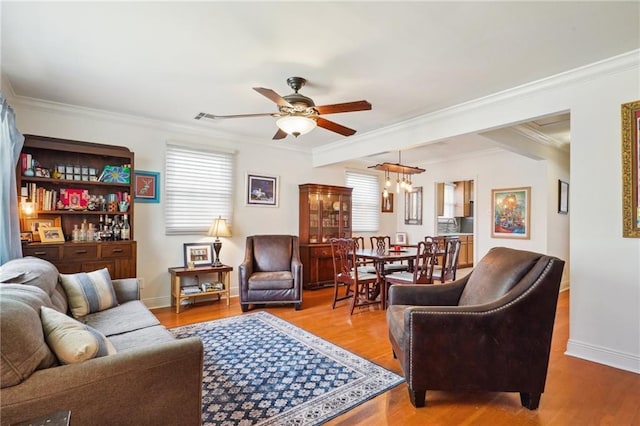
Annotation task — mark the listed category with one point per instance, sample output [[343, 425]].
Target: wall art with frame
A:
[[51, 234], [631, 169], [386, 203], [511, 211], [563, 197], [146, 186], [262, 190], [198, 254]]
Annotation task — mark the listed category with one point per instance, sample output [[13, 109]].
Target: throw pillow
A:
[[72, 341], [89, 292]]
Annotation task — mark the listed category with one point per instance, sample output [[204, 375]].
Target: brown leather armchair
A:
[[271, 271], [489, 331]]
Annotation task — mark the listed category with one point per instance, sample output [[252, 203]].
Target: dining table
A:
[[388, 255]]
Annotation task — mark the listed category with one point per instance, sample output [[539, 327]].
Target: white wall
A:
[[156, 251], [604, 268]]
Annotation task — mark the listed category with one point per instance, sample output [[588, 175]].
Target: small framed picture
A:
[[198, 254], [26, 237], [563, 197], [386, 204], [146, 186], [51, 234], [262, 190], [33, 225], [401, 238]]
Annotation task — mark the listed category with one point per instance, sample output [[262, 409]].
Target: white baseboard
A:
[[606, 356]]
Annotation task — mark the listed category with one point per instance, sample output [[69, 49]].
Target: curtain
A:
[[11, 141]]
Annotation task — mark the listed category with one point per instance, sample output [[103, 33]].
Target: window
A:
[[198, 189], [365, 201], [449, 199]]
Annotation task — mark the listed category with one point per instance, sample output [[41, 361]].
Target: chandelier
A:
[[403, 175]]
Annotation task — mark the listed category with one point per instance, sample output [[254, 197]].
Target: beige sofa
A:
[[152, 378]]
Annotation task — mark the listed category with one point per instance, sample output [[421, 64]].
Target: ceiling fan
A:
[[298, 114]]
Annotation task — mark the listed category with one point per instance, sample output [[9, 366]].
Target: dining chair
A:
[[447, 270], [383, 243], [423, 267], [359, 286]]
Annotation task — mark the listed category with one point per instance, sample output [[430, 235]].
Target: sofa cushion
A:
[[143, 337], [38, 273], [71, 340], [89, 292], [123, 318], [271, 280], [22, 347]]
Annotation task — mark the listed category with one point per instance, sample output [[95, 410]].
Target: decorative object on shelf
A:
[[200, 254], [51, 234], [262, 190], [630, 169], [218, 229], [400, 170], [413, 206], [33, 224], [112, 174], [563, 197], [146, 186], [74, 199], [386, 204], [510, 210]]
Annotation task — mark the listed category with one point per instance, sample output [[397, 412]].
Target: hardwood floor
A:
[[578, 392]]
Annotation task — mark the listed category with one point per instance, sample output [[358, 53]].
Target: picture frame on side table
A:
[[198, 254], [630, 169], [146, 186], [563, 197], [401, 238], [51, 234], [386, 203], [511, 211], [262, 190]]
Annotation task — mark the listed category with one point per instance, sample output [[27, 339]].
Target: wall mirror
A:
[[630, 169], [413, 206]]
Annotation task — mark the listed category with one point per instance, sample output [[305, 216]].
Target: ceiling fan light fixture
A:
[[296, 125]]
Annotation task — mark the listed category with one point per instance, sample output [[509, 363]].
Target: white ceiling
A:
[[169, 61]]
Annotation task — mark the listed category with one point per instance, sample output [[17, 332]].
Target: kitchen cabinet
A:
[[464, 198]]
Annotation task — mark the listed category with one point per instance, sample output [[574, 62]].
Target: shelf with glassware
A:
[[82, 191], [325, 213]]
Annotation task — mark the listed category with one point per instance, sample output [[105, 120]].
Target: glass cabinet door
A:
[[315, 219]]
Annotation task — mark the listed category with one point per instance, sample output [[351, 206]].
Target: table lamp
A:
[[218, 229]]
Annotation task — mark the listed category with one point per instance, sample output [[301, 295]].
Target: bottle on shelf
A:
[[125, 232], [75, 234]]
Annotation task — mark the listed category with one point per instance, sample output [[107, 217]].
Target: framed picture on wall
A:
[[262, 190], [146, 187], [386, 204], [511, 210], [563, 197]]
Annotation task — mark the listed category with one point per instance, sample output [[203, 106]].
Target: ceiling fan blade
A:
[[273, 96], [344, 107], [280, 134], [218, 117], [334, 127]]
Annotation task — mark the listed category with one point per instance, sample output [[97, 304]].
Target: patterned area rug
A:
[[262, 370]]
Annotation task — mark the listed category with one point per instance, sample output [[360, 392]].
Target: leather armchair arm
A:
[[428, 294], [245, 269]]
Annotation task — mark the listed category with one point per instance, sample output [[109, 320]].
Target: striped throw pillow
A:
[[89, 292], [72, 341]]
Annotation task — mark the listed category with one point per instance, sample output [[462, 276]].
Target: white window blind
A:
[[365, 201], [198, 189]]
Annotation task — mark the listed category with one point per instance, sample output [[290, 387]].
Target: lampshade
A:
[[296, 125], [219, 228]]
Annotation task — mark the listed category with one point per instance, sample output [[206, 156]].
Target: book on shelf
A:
[[190, 289]]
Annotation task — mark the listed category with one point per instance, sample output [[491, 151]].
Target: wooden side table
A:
[[177, 296]]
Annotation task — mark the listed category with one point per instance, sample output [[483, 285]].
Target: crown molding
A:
[[613, 65]]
